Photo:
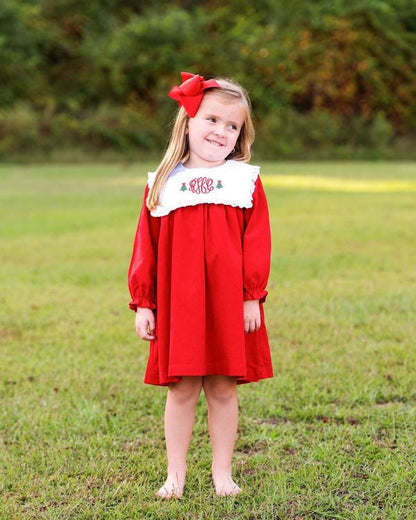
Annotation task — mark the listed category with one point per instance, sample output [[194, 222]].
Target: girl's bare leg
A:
[[179, 421], [221, 394]]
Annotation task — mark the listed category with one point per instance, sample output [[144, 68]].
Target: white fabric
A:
[[231, 184]]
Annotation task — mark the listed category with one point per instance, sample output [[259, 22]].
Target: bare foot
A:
[[225, 485], [172, 488]]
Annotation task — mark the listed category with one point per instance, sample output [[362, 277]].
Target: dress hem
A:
[[155, 381]]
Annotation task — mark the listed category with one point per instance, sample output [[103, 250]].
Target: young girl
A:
[[199, 270]]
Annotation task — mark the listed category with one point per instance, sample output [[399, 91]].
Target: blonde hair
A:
[[178, 147]]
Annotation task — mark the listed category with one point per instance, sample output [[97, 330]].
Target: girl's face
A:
[[214, 130]]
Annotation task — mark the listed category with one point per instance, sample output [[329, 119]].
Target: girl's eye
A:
[[212, 119], [233, 127]]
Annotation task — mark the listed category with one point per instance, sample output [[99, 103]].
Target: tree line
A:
[[334, 78]]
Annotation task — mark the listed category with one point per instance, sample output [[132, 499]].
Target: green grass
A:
[[332, 436]]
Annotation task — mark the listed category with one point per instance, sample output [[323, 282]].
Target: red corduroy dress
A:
[[194, 267]]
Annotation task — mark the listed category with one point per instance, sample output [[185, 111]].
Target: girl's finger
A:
[[148, 337], [145, 333]]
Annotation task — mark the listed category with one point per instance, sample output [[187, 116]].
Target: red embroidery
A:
[[201, 185]]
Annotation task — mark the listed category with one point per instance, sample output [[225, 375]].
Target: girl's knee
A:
[[220, 388], [187, 389]]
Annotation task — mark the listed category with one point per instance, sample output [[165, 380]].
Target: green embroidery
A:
[[184, 187]]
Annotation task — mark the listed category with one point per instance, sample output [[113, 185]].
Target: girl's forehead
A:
[[222, 103]]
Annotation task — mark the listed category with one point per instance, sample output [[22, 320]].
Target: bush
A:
[[18, 129], [287, 134], [23, 130]]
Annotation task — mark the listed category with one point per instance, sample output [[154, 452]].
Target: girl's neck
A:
[[189, 164]]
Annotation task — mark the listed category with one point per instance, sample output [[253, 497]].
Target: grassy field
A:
[[332, 436]]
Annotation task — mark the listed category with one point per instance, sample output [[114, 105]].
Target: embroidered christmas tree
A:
[[184, 188], [219, 185]]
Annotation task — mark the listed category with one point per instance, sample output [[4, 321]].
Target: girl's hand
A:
[[252, 319], [145, 323]]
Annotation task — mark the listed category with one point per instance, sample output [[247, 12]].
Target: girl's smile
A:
[[214, 130]]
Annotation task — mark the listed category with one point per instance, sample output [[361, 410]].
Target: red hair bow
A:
[[190, 92]]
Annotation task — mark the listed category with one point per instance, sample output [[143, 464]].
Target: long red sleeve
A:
[[143, 264], [256, 247]]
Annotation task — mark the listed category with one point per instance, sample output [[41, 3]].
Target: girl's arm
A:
[[256, 247], [143, 264]]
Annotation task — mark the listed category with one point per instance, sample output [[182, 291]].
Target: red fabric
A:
[[190, 92], [195, 266]]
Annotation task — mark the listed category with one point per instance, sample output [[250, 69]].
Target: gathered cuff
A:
[[142, 302], [255, 294]]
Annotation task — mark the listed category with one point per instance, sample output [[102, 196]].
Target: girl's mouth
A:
[[216, 143]]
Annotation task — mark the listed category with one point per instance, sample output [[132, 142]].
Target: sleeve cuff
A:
[[141, 302], [255, 294]]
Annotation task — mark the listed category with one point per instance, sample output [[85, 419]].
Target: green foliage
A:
[[348, 64], [292, 134], [19, 59], [357, 64]]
